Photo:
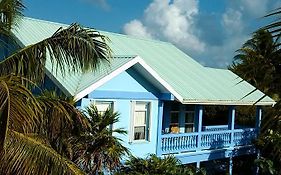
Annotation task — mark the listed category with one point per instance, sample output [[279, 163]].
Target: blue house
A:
[[161, 94]]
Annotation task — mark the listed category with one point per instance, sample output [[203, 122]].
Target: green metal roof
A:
[[192, 81]]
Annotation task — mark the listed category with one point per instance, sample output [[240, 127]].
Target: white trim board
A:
[[121, 69]]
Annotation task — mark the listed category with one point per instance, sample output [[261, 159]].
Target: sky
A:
[[210, 31]]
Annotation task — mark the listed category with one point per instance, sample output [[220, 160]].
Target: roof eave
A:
[[221, 102]]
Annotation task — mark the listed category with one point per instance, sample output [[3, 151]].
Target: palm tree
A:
[[153, 165], [99, 143], [257, 62], [275, 26], [30, 126]]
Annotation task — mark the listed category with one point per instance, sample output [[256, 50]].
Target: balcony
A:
[[211, 138]]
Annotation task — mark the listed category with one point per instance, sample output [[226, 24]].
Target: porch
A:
[[194, 142], [206, 140]]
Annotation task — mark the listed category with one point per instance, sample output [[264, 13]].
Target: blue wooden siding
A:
[[7, 47], [122, 90]]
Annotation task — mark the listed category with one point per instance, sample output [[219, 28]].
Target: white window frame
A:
[[147, 125], [172, 124], [94, 101], [188, 123]]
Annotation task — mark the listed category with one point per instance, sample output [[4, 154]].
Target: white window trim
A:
[[93, 101], [186, 123], [131, 133]]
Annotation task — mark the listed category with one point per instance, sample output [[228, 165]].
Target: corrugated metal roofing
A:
[[194, 82]]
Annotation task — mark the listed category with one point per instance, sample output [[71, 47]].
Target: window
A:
[[174, 119], [141, 117], [102, 106], [189, 118]]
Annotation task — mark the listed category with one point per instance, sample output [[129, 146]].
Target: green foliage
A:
[[154, 165], [11, 12], [71, 49], [259, 63], [98, 143], [266, 166], [35, 130]]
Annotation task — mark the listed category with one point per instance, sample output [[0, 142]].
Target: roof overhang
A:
[[129, 64], [225, 102]]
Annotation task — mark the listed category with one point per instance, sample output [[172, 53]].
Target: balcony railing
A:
[[188, 142], [215, 128]]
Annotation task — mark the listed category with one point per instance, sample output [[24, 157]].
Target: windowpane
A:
[[140, 106], [102, 106], [139, 133], [140, 118], [189, 117], [189, 127]]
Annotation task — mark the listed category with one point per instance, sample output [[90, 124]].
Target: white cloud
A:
[[102, 3], [232, 21], [170, 20], [212, 39], [136, 28], [256, 8]]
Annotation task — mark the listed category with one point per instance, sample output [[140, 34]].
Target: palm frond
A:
[[10, 13], [28, 155], [73, 49], [98, 144], [19, 110], [275, 26], [61, 119]]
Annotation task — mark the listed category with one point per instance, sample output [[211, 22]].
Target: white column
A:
[[230, 166], [200, 116], [231, 123], [258, 125], [159, 131]]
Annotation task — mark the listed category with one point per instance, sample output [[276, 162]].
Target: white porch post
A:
[[198, 164], [258, 118], [159, 131], [258, 125], [230, 167], [199, 125], [231, 123]]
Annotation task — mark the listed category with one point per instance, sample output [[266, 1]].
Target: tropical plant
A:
[[99, 143], [31, 139], [259, 62], [275, 26], [153, 165], [266, 166]]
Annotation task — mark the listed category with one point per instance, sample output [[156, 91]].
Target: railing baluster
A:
[[176, 143]]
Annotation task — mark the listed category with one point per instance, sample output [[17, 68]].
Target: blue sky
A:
[[208, 30]]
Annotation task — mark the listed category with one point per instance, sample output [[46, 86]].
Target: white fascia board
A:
[[240, 103], [129, 64], [160, 80]]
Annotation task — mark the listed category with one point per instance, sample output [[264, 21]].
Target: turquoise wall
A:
[[133, 87]]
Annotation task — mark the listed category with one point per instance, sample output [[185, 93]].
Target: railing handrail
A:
[[205, 132], [179, 134], [244, 129], [197, 141], [215, 126]]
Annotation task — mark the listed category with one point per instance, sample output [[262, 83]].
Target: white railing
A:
[[185, 142]]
